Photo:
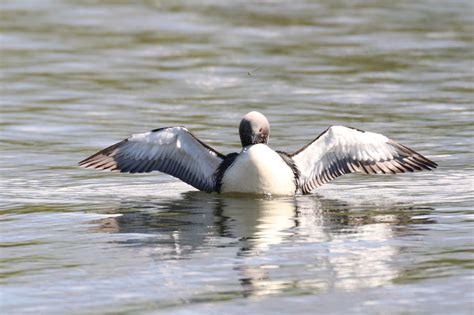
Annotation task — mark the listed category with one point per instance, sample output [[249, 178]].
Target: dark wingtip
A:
[[420, 159], [96, 157], [99, 162], [83, 162], [435, 165]]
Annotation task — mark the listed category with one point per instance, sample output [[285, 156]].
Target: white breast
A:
[[258, 169]]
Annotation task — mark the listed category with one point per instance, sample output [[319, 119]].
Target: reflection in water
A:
[[344, 248], [77, 75]]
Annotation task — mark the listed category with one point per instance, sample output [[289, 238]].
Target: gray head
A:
[[254, 128]]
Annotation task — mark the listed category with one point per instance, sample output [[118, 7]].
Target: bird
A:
[[257, 168]]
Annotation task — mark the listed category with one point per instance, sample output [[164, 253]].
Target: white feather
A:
[[259, 169], [175, 151], [340, 150]]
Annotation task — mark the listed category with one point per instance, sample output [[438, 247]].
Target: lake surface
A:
[[77, 76]]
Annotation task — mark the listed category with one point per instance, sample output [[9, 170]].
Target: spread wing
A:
[[172, 150], [340, 150]]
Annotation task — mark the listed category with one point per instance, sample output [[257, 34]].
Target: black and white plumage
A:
[[341, 150], [172, 150], [257, 168]]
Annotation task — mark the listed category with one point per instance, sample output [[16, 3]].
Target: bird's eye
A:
[[260, 130]]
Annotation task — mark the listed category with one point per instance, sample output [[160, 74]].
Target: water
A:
[[77, 76]]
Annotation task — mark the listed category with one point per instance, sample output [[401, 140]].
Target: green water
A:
[[77, 76]]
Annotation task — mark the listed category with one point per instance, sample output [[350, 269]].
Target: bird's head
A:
[[254, 128]]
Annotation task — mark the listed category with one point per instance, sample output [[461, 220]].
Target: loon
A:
[[257, 168]]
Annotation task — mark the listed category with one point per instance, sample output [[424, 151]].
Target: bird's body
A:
[[257, 168]]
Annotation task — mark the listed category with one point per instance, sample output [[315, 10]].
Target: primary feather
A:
[[340, 150], [172, 150]]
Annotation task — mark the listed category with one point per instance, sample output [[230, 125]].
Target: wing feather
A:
[[172, 150], [341, 150]]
